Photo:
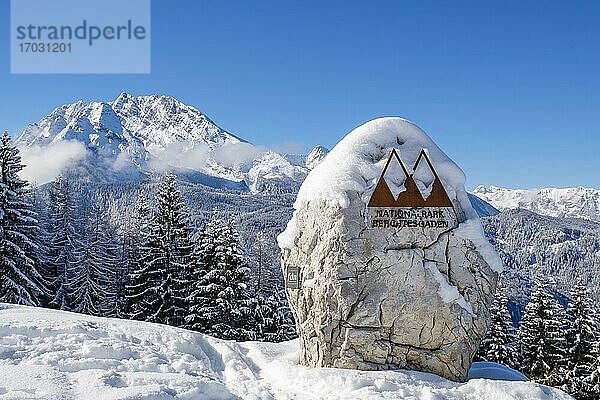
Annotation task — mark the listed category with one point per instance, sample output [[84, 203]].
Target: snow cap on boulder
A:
[[356, 162]]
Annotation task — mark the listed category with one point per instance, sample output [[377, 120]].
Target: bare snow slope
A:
[[575, 202], [47, 354]]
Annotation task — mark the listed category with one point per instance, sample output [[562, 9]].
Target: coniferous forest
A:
[[553, 345], [67, 246], [62, 250]]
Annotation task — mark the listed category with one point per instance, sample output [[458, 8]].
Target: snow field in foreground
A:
[[47, 354]]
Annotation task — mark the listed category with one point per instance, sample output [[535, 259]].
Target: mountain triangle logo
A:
[[428, 193]]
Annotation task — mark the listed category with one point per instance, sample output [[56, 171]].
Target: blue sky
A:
[[510, 90]]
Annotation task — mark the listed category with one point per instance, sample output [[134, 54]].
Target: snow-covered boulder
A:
[[392, 266]]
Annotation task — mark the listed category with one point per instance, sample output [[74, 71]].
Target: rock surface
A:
[[373, 296]]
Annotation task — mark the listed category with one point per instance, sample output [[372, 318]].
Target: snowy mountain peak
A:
[[132, 137], [160, 121], [577, 202], [123, 101], [157, 120], [104, 118], [315, 156]]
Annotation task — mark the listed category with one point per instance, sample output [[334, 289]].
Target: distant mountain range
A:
[[576, 202], [135, 137]]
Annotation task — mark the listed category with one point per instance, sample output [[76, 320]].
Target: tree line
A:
[[553, 345], [153, 267]]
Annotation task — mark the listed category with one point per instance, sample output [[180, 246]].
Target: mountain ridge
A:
[[574, 202], [155, 133]]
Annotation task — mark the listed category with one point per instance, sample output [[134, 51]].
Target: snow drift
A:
[[47, 354]]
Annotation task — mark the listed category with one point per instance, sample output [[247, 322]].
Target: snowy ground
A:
[[47, 354]]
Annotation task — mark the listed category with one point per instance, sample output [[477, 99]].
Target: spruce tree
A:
[[124, 268], [63, 251], [93, 278], [591, 383], [20, 281], [236, 300], [499, 344], [220, 304], [284, 319], [273, 318], [86, 281], [541, 337], [107, 241], [262, 276], [127, 264], [581, 343], [138, 300], [169, 258], [41, 240], [207, 281]]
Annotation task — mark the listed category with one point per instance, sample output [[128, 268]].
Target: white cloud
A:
[[238, 155], [176, 155], [43, 164]]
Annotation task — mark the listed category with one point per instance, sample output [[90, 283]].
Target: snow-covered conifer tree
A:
[[63, 242], [581, 343], [590, 387], [541, 337], [86, 281], [207, 281], [20, 281], [284, 319], [169, 257], [272, 317], [93, 276], [220, 304], [112, 290], [139, 280], [41, 240], [499, 345], [262, 273]]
